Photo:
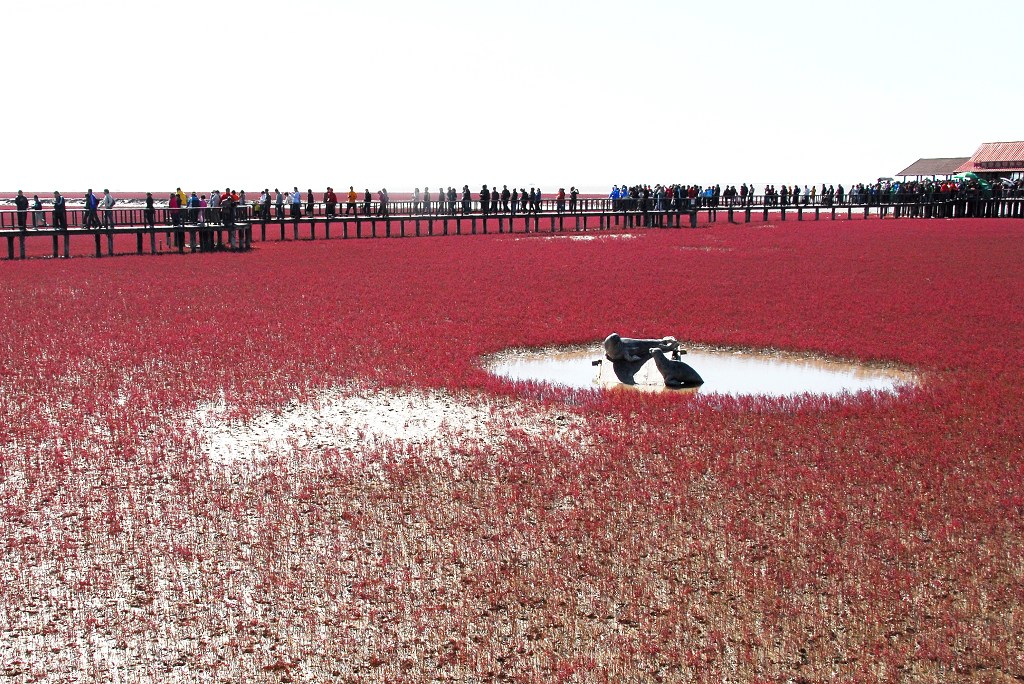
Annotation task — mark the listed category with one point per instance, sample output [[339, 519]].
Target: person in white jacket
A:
[[107, 206]]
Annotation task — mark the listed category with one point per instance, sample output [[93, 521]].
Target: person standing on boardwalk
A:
[[60, 212], [173, 203], [214, 212], [560, 200], [366, 201], [573, 195], [453, 197], [330, 201], [309, 202], [205, 236], [485, 200], [351, 204], [296, 198], [92, 219], [265, 205], [426, 200], [149, 213], [21, 204], [279, 204], [382, 202], [193, 208], [229, 200], [38, 217]]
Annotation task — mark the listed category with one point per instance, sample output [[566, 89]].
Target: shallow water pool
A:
[[724, 372]]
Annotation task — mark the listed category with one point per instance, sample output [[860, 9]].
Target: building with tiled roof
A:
[[937, 168], [997, 160]]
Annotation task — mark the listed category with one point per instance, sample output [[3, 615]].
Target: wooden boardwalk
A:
[[164, 236]]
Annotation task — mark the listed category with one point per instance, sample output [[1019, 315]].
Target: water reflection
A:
[[724, 372]]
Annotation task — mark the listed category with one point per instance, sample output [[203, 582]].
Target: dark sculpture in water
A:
[[618, 348], [628, 355], [676, 373]]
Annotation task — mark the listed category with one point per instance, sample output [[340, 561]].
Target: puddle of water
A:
[[724, 372]]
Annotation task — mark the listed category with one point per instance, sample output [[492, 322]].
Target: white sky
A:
[[138, 95]]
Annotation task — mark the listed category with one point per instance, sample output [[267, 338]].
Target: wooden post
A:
[[472, 222], [56, 246], [693, 218], [21, 246], [99, 248], [746, 214], [138, 242], [263, 232], [765, 218], [417, 226], [327, 228], [10, 247], [152, 242], [282, 233], [67, 245], [817, 215], [799, 213], [782, 211]]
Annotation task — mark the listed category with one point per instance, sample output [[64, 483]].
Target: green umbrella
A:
[[970, 175]]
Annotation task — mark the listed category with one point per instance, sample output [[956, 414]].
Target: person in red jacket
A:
[[331, 201]]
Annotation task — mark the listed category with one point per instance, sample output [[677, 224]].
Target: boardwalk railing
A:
[[211, 228]]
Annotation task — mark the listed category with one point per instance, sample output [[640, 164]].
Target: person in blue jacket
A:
[[92, 219]]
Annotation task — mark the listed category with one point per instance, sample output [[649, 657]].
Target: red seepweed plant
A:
[[865, 538]]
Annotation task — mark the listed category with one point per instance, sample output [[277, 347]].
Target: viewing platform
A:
[[179, 230]]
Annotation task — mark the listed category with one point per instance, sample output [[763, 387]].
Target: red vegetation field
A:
[[660, 538]]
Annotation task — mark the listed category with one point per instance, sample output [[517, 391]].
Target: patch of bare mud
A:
[[362, 422]]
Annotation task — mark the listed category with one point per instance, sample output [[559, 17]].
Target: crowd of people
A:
[[682, 197], [224, 208]]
